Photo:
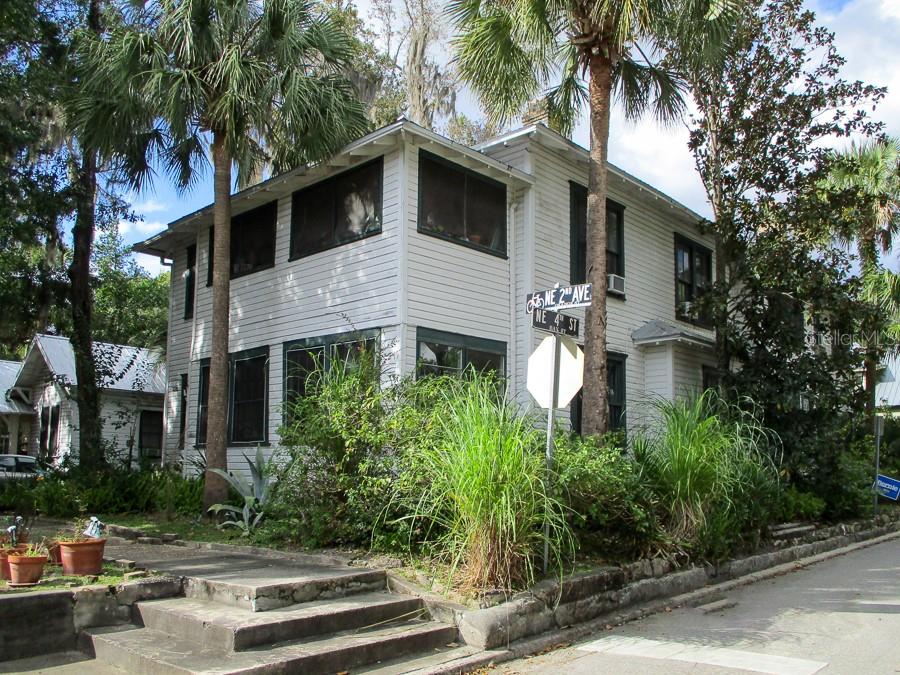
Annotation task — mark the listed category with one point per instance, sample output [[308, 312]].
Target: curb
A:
[[563, 637]]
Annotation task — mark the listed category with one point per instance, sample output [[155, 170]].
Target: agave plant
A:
[[255, 493]]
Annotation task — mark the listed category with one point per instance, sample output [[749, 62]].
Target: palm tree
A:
[[252, 83], [509, 51], [868, 176]]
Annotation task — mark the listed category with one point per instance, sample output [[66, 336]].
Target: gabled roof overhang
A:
[[379, 142]]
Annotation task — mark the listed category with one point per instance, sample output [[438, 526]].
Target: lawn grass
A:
[[186, 528], [54, 580]]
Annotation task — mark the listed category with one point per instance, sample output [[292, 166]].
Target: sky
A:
[[867, 35]]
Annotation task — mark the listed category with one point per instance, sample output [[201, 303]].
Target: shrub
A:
[[798, 505], [711, 466], [112, 491], [611, 509], [478, 485], [338, 461]]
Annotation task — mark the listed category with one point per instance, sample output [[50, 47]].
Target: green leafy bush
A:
[[800, 506], [479, 487], [113, 491], [339, 458], [711, 466], [612, 511]]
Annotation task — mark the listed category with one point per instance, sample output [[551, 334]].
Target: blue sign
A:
[[887, 487]]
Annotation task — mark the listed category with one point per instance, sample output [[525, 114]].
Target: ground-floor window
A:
[[151, 434], [202, 401], [248, 397], [615, 382], [441, 353], [303, 357], [49, 433], [4, 437], [711, 378]]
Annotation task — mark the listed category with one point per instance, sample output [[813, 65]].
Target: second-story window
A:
[[461, 205], [615, 235], [190, 281], [693, 273], [336, 211], [252, 242]]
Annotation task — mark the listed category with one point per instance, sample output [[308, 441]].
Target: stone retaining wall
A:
[[581, 597], [41, 622]]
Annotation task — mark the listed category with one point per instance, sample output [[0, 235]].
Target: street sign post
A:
[[554, 322], [560, 297], [879, 432], [555, 374], [887, 487]]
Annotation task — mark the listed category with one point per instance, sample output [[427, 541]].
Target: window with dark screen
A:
[[461, 205], [249, 386], [338, 210], [190, 281], [615, 235], [151, 434], [202, 401], [252, 242]]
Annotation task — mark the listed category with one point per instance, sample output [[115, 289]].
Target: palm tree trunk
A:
[[595, 411], [216, 488], [90, 451]]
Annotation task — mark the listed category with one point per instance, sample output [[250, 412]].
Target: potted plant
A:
[[5, 552], [27, 567], [80, 553]]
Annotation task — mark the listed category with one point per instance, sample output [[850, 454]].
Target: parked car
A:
[[16, 467]]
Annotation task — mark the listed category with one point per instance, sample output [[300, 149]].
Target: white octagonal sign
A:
[[540, 371]]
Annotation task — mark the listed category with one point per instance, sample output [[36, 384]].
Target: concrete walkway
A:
[[838, 616]]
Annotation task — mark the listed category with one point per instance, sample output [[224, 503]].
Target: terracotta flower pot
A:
[[80, 558], [4, 558], [24, 569]]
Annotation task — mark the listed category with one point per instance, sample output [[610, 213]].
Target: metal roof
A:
[[125, 368], [8, 372], [657, 330]]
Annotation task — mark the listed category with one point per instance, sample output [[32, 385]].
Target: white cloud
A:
[[149, 206], [140, 228], [149, 227], [150, 263]]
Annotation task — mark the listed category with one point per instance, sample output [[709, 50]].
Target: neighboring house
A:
[[428, 247], [887, 390], [133, 382], [15, 416]]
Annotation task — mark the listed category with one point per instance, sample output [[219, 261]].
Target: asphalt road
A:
[[838, 616]]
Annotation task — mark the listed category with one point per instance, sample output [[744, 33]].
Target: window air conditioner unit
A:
[[615, 284]]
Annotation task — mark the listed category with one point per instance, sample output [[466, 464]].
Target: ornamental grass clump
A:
[[712, 467], [481, 492]]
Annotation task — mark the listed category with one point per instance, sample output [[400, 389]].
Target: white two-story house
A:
[[427, 248]]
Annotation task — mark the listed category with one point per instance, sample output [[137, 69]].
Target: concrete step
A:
[[793, 532], [228, 629], [277, 586], [150, 652], [440, 659]]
